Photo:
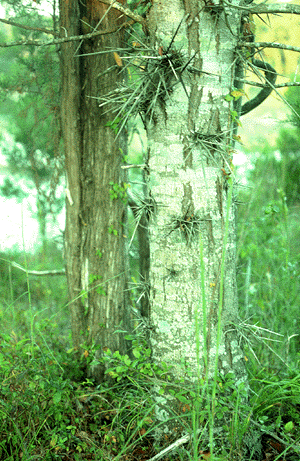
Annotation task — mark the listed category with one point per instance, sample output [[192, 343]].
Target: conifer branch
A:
[[22, 26], [58, 41]]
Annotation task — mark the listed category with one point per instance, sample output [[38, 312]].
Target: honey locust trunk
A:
[[193, 297]]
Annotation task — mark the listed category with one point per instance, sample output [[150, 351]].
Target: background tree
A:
[[95, 239], [30, 106]]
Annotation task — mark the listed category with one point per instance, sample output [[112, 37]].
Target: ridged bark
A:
[[95, 244]]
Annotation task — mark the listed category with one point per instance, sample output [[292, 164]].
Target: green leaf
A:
[[57, 397], [136, 352], [288, 427]]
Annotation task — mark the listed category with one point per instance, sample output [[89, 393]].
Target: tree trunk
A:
[[95, 241], [190, 145]]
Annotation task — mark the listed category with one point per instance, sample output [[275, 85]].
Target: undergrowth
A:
[[50, 410]]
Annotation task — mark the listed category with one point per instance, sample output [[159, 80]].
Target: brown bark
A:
[[95, 239]]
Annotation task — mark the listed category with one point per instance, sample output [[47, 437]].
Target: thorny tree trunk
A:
[[94, 237], [189, 156]]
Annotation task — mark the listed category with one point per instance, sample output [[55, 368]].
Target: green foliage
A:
[[48, 294], [43, 412], [276, 403], [289, 164], [30, 108], [269, 284], [194, 401], [288, 144], [268, 252], [114, 124], [99, 253], [113, 231], [279, 168], [293, 97], [35, 397], [234, 95], [270, 243], [118, 192], [100, 290], [122, 366], [268, 269], [10, 189], [49, 408]]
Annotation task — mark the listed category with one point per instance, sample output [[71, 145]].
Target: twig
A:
[[271, 45], [22, 26], [263, 8], [136, 17], [57, 41], [54, 272], [262, 85], [172, 447], [287, 8]]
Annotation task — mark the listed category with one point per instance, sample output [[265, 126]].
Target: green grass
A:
[[269, 274], [45, 413]]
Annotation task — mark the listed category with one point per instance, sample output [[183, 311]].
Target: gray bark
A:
[[190, 150]]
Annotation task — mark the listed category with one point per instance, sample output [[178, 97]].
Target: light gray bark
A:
[[190, 149]]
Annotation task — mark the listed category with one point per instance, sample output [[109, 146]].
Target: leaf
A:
[[288, 427], [57, 397], [118, 59], [237, 94], [136, 352]]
